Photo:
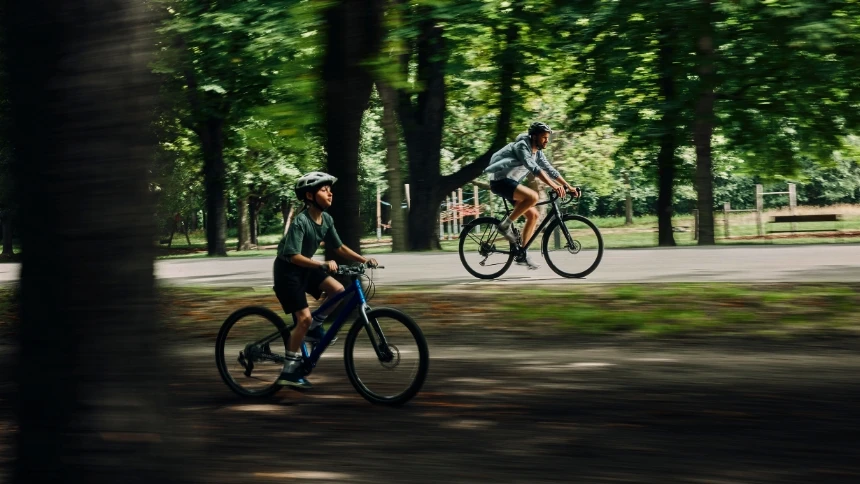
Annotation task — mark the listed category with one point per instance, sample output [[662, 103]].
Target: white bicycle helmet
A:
[[312, 180]]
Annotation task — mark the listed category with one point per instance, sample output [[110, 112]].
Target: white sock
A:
[[505, 223], [293, 360]]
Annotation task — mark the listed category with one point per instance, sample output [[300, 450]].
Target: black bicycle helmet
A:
[[538, 127]]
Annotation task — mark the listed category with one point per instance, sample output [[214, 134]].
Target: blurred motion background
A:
[[136, 131]]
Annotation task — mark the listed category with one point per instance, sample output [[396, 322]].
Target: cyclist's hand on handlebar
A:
[[559, 189], [574, 191], [371, 262], [329, 266]]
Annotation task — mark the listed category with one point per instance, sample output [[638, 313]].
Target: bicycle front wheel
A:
[[484, 251], [386, 360], [250, 350], [577, 256]]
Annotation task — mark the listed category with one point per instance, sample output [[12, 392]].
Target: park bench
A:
[[793, 219]]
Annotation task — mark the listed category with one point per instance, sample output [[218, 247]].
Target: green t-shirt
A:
[[304, 236]]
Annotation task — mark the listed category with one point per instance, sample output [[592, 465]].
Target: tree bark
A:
[[354, 36], [423, 123], [399, 230], [215, 185], [254, 204], [88, 374], [244, 242], [628, 202], [704, 128], [668, 138]]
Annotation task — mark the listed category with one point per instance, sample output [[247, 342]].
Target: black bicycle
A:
[[385, 353], [572, 244]]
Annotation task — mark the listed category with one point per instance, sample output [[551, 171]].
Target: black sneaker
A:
[[294, 380], [316, 335]]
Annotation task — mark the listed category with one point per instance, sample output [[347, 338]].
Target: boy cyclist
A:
[[296, 272], [509, 166]]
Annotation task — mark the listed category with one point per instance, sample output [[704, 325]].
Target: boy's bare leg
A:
[[303, 322]]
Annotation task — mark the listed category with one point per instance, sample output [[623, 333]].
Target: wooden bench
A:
[[792, 219]]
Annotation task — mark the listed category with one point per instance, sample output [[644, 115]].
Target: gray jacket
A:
[[516, 160]]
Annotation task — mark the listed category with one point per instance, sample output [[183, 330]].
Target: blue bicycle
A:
[[385, 352]]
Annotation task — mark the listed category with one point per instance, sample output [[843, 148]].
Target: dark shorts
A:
[[504, 188], [292, 282]]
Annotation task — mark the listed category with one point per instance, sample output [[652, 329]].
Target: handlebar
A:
[[354, 269], [553, 195]]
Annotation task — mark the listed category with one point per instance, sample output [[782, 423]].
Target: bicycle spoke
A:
[[482, 251], [574, 248]]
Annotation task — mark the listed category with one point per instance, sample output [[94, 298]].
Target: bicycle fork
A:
[[376, 335]]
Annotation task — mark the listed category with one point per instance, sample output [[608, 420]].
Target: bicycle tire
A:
[[418, 375], [554, 265], [221, 358], [485, 240]]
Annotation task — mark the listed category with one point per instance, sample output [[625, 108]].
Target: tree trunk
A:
[[244, 242], [703, 131], [89, 374], [423, 123], [628, 202], [668, 138], [399, 231], [186, 223], [254, 204], [354, 36], [215, 184], [287, 209]]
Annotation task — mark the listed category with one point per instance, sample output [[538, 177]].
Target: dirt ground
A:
[[501, 407], [511, 403]]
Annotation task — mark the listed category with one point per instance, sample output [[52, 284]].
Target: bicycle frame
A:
[[360, 301], [555, 214]]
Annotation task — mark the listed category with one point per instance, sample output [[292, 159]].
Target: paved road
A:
[[808, 263]]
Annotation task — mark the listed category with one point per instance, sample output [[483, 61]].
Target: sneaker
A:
[[294, 380], [316, 335], [508, 233], [526, 260]]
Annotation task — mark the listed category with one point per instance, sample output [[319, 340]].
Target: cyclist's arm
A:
[[306, 262]]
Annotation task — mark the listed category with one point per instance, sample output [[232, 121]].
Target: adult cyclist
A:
[[509, 166]]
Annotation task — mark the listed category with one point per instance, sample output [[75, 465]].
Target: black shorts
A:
[[504, 188], [292, 282]]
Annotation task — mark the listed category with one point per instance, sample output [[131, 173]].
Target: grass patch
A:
[[652, 310]]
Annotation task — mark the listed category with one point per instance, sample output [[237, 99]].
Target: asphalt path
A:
[[801, 263]]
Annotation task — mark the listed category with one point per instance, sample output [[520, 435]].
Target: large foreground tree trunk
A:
[[399, 230], [704, 129], [354, 35], [88, 369], [668, 138]]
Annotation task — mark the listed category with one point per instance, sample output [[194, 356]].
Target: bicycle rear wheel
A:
[[577, 257], [484, 251], [250, 350], [387, 360]]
